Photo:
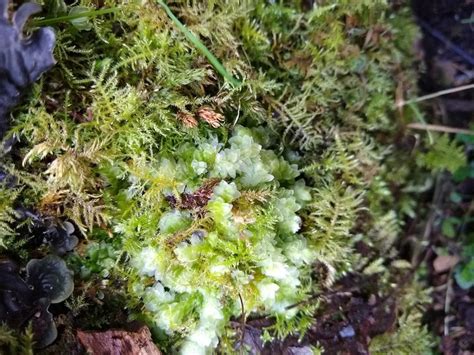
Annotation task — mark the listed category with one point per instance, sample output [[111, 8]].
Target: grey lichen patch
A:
[[22, 59]]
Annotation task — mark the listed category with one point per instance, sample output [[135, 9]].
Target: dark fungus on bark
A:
[[22, 59]]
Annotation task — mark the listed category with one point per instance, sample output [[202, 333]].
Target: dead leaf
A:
[[443, 263], [446, 71]]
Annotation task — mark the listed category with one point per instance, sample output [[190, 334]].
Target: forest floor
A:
[[448, 52], [446, 55], [357, 310]]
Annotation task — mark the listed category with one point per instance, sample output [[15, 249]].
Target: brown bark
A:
[[118, 342]]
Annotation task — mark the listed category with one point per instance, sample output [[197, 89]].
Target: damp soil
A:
[[447, 49]]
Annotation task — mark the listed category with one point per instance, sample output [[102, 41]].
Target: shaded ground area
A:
[[353, 315], [448, 51], [447, 27]]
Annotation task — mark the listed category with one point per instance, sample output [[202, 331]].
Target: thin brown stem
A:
[[439, 128], [447, 303], [435, 95], [243, 321]]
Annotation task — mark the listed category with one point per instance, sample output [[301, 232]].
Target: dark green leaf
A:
[[50, 277], [464, 275]]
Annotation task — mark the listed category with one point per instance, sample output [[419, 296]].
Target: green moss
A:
[[443, 154], [7, 215], [410, 336], [12, 342]]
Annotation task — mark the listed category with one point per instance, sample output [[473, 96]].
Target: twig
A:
[[419, 117], [200, 46], [238, 116], [243, 321], [450, 45], [434, 95], [420, 249], [439, 128], [447, 302]]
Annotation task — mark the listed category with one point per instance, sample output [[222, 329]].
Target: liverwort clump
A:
[[227, 242]]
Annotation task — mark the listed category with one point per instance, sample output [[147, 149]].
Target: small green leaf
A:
[[464, 173], [80, 23], [449, 226], [465, 138], [468, 250], [455, 197], [464, 275]]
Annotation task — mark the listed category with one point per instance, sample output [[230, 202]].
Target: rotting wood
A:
[[118, 342]]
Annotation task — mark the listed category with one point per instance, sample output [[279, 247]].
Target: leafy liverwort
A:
[[22, 59]]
